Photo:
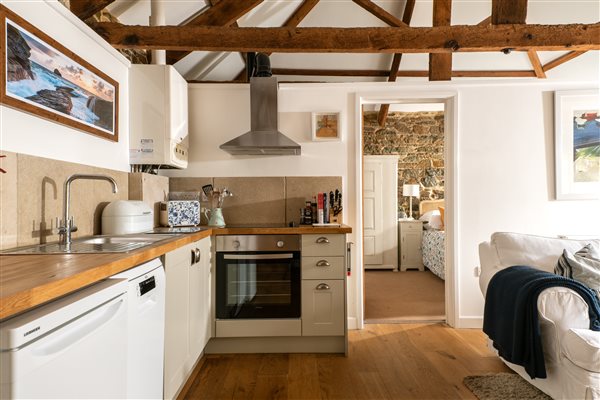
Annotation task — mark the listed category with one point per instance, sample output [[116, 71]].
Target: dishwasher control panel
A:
[[146, 286]]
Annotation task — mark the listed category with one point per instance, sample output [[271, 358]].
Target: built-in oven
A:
[[258, 276]]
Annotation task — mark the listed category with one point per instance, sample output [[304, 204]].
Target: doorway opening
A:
[[403, 207]]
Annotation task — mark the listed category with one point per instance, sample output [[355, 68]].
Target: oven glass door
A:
[[258, 285]]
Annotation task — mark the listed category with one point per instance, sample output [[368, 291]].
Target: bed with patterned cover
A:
[[433, 246], [433, 251]]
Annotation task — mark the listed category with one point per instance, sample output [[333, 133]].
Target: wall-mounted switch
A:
[[477, 271]]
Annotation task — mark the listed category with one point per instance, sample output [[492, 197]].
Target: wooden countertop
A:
[[27, 281], [299, 230]]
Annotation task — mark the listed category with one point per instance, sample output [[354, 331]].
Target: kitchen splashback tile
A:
[[188, 184], [151, 189], [8, 200], [302, 188], [256, 200], [40, 186]]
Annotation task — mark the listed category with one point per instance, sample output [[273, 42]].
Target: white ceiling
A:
[[213, 66]]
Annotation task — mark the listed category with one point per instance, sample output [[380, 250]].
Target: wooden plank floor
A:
[[399, 361]]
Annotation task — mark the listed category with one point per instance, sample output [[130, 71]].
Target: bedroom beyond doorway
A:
[[403, 210]]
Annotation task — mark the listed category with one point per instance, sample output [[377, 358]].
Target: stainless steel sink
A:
[[94, 244]]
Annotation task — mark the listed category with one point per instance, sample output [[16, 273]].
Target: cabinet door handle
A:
[[195, 255], [322, 240], [323, 263], [323, 286]]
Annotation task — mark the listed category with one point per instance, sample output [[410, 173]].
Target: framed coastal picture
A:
[[577, 144], [42, 77], [326, 126]]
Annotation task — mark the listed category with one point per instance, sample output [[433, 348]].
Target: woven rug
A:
[[503, 386]]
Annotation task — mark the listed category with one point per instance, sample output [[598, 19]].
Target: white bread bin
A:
[[127, 216]]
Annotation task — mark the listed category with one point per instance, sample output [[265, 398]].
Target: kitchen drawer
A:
[[324, 245], [325, 267]]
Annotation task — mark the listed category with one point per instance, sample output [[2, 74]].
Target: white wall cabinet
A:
[[411, 243], [323, 285], [380, 212], [187, 311]]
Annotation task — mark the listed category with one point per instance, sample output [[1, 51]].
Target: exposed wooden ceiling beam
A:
[[440, 65], [562, 59], [403, 73], [440, 39], [222, 13], [293, 20], [536, 64], [380, 13], [382, 73], [84, 9], [393, 74], [409, 8], [300, 13], [509, 11]]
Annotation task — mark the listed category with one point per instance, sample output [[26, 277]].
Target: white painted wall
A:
[[505, 154], [25, 133]]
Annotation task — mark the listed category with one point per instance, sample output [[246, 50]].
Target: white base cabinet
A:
[[411, 244], [323, 285], [187, 311], [322, 307]]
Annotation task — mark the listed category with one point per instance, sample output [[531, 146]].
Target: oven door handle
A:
[[257, 256]]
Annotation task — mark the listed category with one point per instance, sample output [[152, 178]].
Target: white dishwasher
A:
[[146, 330], [71, 348]]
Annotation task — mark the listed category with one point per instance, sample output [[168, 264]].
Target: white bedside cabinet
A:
[[410, 256]]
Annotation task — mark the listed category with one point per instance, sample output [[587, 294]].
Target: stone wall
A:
[[418, 140]]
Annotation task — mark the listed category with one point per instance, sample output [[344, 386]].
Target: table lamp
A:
[[410, 191]]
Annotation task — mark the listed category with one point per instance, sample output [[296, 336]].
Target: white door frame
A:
[[450, 101]]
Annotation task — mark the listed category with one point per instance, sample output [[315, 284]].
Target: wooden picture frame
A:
[[326, 126], [577, 144], [42, 77]]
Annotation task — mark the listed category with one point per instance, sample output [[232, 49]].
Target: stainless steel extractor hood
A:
[[263, 137]]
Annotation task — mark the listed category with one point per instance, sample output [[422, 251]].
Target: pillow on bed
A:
[[433, 220], [442, 210]]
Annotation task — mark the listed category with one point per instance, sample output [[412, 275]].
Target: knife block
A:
[[335, 219]]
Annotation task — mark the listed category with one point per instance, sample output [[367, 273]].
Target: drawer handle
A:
[[323, 286], [323, 263], [322, 240]]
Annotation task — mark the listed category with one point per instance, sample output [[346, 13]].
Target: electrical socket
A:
[[477, 271]]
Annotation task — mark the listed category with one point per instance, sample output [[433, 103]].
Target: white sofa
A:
[[571, 349]]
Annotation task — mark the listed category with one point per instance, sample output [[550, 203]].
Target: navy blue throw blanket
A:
[[510, 318]]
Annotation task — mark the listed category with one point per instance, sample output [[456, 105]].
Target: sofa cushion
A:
[[583, 266], [531, 250], [582, 348]]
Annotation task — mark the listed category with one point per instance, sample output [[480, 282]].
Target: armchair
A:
[[571, 349]]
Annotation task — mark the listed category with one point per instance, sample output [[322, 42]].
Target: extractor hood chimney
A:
[[263, 137]]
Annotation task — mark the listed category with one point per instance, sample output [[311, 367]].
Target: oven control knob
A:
[[280, 243], [236, 244]]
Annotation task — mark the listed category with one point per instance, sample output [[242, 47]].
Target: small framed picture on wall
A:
[[326, 126]]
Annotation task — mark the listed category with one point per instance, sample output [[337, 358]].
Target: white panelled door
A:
[[372, 212]]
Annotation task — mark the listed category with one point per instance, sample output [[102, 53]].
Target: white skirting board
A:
[[469, 322], [352, 323]]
